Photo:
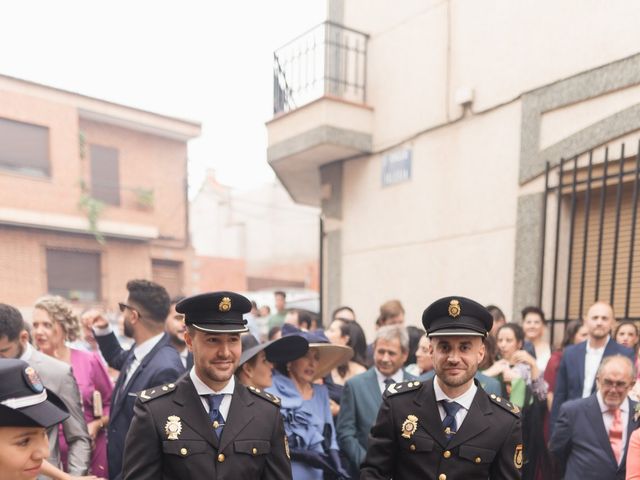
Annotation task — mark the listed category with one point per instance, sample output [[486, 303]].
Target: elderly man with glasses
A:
[[591, 435], [150, 362]]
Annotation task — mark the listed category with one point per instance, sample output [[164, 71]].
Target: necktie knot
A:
[[388, 381], [451, 408], [215, 400]]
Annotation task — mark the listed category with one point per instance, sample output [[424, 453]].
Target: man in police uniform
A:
[[207, 425], [447, 427]]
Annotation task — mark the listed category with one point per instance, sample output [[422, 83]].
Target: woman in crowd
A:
[[524, 385], [55, 323], [535, 327], [27, 410], [305, 407], [424, 361], [575, 332], [626, 333], [257, 360], [350, 334]]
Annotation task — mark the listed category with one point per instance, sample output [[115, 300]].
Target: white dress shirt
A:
[[203, 389], [396, 377], [466, 399], [607, 418], [26, 354], [592, 361]]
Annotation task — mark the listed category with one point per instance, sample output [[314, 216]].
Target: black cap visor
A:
[[45, 413]]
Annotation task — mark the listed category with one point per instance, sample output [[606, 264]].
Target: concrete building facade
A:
[[428, 153], [92, 194]]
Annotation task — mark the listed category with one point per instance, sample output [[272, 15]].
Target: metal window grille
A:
[[591, 246]]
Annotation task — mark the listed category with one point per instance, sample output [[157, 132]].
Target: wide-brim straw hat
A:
[[330, 355]]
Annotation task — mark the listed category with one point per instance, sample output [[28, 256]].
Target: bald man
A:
[[580, 362]]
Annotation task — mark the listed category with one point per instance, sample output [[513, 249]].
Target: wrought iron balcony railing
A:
[[329, 59]]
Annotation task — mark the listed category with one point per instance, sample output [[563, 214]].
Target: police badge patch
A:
[[173, 428], [409, 426]]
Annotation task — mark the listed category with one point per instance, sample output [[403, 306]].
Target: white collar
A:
[[203, 389], [26, 354], [396, 377], [142, 350], [624, 407], [590, 349], [465, 399]]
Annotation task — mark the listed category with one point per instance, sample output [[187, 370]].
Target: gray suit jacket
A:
[[359, 405], [58, 377]]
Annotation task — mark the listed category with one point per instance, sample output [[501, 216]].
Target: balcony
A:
[[319, 107]]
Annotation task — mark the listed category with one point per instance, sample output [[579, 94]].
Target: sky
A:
[[208, 61]]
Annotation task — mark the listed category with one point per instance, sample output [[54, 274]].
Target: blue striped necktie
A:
[[217, 420], [449, 423]]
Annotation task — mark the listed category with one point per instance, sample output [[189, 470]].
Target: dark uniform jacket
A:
[[171, 437], [408, 441], [162, 364]]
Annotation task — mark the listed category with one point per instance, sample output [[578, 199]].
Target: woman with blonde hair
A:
[[54, 324]]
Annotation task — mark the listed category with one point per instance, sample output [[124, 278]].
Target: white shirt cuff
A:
[[101, 332]]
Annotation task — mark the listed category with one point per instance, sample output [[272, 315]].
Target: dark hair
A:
[[11, 322], [273, 332], [152, 297], [570, 332], [176, 299], [281, 293], [490, 352], [305, 317], [415, 334], [357, 341], [517, 331], [496, 313], [389, 309], [343, 307], [531, 309]]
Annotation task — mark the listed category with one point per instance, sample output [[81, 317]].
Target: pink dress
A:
[[91, 374]]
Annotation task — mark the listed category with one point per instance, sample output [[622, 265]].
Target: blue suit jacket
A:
[[570, 379], [161, 365], [359, 405], [581, 442]]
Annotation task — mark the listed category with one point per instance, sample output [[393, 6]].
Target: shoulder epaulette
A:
[[155, 392], [266, 395], [506, 404], [402, 387]]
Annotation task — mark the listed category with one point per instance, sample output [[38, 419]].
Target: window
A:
[[24, 148], [105, 175], [74, 275]]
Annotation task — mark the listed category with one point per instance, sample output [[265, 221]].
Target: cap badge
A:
[[409, 426], [32, 379], [173, 428], [225, 304], [454, 308]]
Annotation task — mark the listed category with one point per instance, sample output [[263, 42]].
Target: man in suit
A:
[[151, 361], [362, 395], [579, 364], [591, 435], [57, 377], [207, 425], [447, 427]]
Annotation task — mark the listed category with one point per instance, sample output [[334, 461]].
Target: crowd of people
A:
[[97, 383]]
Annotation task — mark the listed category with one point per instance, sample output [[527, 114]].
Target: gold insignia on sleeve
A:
[[517, 456], [409, 426], [173, 428], [286, 447], [225, 304], [454, 308]]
